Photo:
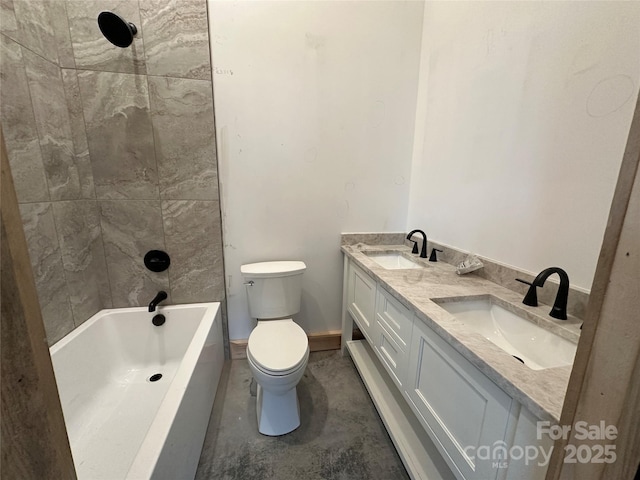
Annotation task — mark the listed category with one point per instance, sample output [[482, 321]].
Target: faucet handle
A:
[[415, 246], [434, 256], [531, 298]]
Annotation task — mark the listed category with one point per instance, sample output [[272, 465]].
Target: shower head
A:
[[116, 29]]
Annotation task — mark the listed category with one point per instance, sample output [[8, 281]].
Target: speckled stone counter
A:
[[540, 391]]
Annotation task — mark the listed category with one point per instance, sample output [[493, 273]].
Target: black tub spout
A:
[[162, 295]]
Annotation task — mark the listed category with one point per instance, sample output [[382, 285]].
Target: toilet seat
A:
[[278, 347]]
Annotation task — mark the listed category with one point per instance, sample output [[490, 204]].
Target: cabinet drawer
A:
[[462, 408], [395, 317], [391, 355], [361, 300]]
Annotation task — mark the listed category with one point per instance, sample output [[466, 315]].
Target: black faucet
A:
[[423, 252], [434, 256], [162, 295], [559, 309]]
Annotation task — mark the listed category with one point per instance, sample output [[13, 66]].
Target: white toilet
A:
[[278, 348]]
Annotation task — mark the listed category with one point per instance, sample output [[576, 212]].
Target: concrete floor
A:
[[341, 435]]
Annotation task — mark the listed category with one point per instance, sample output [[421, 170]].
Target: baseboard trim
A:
[[318, 342]]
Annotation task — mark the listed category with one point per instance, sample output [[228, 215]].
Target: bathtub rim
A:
[[145, 461], [146, 458], [106, 311]]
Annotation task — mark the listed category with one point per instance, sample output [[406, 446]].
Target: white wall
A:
[[524, 109], [315, 108]]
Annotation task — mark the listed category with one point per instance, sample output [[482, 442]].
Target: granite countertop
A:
[[540, 391]]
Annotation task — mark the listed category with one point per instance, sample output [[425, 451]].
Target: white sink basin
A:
[[536, 347], [392, 261]]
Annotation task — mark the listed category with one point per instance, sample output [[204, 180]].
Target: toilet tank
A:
[[276, 289]]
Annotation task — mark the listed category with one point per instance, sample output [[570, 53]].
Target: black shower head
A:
[[116, 29]]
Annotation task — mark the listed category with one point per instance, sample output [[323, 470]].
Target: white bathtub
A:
[[120, 424]]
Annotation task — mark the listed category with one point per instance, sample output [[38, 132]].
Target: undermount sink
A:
[[392, 261], [535, 346]]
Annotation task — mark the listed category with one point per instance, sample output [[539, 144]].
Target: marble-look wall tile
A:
[[19, 126], [120, 136], [83, 258], [91, 49], [8, 22], [176, 38], [60, 24], [67, 179], [194, 242], [34, 29], [46, 261], [182, 117], [84, 139], [78, 130], [130, 229]]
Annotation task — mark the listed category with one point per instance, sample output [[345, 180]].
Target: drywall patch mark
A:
[[311, 155], [586, 58], [399, 180], [610, 95], [314, 41], [349, 186], [344, 209], [220, 39], [493, 37]]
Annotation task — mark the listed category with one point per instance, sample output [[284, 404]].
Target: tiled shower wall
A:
[[112, 152]]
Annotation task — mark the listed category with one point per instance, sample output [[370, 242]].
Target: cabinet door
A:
[[394, 323], [397, 319], [393, 357], [461, 407], [361, 300]]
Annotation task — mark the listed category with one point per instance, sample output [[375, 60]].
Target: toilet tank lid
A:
[[282, 268]]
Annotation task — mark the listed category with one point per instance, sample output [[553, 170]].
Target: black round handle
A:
[[158, 320], [157, 260]]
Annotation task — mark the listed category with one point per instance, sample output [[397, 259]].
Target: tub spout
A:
[[162, 295]]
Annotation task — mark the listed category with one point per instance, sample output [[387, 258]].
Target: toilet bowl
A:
[[277, 370], [278, 348]]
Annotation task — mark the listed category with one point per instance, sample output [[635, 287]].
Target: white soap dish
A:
[[470, 264]]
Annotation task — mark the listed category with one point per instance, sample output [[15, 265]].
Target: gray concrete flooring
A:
[[340, 437]]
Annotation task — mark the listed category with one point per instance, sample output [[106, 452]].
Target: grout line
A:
[[35, 124], [31, 50], [64, 270], [96, 70]]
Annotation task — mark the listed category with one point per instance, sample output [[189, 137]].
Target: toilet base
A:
[[277, 414]]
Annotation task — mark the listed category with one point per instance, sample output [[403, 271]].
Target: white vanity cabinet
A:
[[439, 409], [461, 408], [361, 300]]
